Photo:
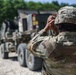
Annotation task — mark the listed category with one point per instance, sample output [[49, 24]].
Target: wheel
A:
[[21, 54], [4, 54], [33, 63]]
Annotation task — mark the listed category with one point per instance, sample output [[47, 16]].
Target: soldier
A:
[[59, 50]]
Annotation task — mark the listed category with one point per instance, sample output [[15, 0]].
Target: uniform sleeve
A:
[[41, 32]]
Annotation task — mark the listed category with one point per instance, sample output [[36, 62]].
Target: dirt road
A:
[[11, 67]]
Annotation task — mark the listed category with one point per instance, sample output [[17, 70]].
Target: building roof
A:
[[26, 12]]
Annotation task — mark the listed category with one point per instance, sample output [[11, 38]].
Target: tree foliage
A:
[[8, 8]]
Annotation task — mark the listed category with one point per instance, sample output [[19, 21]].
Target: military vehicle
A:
[[14, 38]]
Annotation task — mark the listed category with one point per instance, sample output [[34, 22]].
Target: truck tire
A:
[[4, 54], [33, 63], [21, 54]]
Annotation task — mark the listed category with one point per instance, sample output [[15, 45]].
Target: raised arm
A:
[[50, 25]]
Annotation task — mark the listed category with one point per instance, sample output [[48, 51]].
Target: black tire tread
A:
[[23, 60]]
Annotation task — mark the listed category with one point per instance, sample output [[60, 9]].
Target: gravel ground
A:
[[11, 67]]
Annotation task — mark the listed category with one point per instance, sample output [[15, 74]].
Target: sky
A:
[[65, 1]]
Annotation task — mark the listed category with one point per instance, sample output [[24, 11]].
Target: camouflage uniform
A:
[[58, 52]]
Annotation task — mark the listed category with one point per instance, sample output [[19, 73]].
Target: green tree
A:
[[31, 5], [10, 7], [1, 10], [19, 4], [55, 3], [47, 6], [64, 4], [39, 6]]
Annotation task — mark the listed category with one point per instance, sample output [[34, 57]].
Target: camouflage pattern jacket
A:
[[58, 52]]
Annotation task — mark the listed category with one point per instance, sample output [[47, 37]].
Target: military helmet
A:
[[66, 14]]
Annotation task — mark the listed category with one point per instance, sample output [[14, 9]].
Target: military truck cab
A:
[[32, 23]]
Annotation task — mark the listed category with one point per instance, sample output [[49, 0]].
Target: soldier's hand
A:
[[50, 18], [50, 23]]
